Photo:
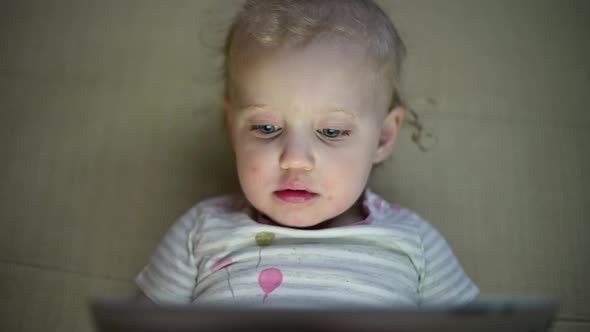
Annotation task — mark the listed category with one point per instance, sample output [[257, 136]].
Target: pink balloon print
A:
[[269, 280]]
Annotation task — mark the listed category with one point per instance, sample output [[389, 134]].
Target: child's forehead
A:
[[335, 47], [333, 78], [331, 57]]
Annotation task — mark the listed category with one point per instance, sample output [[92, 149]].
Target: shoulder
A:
[[391, 214], [404, 221], [211, 207], [217, 205], [442, 278]]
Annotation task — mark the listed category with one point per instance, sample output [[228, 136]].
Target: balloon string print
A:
[[224, 264], [263, 239], [229, 285], [269, 280]]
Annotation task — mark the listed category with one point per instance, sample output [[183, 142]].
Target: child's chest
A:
[[263, 268]]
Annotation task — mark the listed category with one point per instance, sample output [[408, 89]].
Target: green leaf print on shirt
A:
[[263, 239]]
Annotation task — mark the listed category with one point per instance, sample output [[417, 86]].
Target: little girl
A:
[[311, 105]]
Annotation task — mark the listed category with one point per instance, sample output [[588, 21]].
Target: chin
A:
[[300, 225], [296, 220]]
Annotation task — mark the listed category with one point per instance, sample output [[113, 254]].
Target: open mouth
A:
[[295, 196]]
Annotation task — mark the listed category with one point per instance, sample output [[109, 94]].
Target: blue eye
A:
[[265, 129], [333, 133]]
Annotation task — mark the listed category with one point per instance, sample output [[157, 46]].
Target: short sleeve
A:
[[170, 275], [442, 279]]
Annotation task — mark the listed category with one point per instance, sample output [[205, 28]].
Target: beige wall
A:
[[110, 128]]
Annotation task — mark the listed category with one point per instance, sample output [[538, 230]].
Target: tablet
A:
[[510, 314]]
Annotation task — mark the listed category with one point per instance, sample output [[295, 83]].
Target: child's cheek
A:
[[330, 190]]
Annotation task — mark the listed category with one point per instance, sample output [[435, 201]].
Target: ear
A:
[[391, 125]]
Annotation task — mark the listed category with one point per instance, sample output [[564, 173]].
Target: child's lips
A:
[[295, 196]]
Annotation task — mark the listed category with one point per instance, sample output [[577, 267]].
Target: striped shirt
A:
[[217, 254]]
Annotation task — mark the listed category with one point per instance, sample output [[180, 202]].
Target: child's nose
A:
[[297, 154]]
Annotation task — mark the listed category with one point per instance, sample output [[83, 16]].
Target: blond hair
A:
[[274, 23]]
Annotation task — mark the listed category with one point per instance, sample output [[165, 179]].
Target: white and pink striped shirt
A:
[[217, 254]]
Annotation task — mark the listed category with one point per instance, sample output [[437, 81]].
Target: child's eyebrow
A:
[[341, 111], [253, 107], [338, 110]]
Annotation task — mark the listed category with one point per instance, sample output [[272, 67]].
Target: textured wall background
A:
[[110, 128]]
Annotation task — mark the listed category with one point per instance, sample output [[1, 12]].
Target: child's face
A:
[[306, 127]]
